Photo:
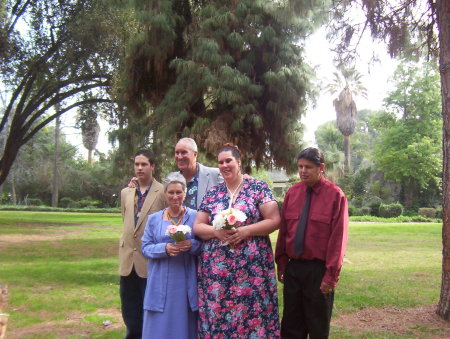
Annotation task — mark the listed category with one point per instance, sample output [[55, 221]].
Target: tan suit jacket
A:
[[130, 242]]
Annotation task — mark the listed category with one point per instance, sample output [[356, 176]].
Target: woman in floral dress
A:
[[236, 277]]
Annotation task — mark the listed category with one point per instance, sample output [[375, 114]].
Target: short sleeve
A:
[[265, 193], [208, 199]]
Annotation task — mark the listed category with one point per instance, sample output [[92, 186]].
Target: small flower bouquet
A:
[[228, 219], [178, 233]]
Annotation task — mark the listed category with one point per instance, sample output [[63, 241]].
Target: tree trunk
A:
[[409, 190], [443, 20], [347, 154], [89, 156], [13, 188], [55, 182]]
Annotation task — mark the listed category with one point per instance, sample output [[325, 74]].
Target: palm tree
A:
[[348, 83], [90, 129]]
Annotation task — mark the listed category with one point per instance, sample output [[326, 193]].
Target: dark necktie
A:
[[300, 232]]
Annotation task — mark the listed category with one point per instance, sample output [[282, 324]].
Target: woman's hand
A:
[[172, 250], [224, 235], [184, 245], [240, 234]]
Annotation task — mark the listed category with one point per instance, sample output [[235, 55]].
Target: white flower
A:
[[219, 221], [240, 216], [185, 229]]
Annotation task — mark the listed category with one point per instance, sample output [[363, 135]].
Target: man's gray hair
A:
[[191, 142], [174, 178]]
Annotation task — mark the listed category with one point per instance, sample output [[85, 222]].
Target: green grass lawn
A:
[[61, 271]]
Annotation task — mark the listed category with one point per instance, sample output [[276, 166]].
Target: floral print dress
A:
[[237, 287]]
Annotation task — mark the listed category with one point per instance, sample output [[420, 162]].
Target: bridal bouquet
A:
[[228, 219], [178, 233]]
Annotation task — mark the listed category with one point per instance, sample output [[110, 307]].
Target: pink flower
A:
[[231, 219], [261, 332], [258, 281], [255, 322], [241, 330], [247, 291], [172, 229], [215, 285]]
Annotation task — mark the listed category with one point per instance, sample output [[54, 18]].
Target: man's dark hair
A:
[[312, 154], [146, 153]]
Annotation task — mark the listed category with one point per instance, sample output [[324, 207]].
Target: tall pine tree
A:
[[221, 71]]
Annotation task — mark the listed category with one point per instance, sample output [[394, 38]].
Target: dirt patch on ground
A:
[[408, 321], [18, 239], [74, 324]]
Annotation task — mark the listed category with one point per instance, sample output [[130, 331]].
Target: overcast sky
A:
[[375, 78]]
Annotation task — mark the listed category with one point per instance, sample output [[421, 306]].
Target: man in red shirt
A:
[[310, 248]]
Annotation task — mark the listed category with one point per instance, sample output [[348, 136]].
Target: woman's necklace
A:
[[176, 220], [233, 195]]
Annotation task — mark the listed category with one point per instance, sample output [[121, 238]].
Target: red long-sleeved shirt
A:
[[326, 231]]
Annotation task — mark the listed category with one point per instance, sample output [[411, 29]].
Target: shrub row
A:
[[57, 209], [400, 219]]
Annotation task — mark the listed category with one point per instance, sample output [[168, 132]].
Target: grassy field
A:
[[61, 271]]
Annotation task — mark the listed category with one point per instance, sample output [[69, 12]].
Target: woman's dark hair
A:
[[232, 148], [146, 153], [312, 154]]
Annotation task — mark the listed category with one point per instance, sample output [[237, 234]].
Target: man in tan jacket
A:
[[136, 204]]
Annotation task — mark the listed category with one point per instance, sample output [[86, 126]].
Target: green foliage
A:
[[329, 140], [74, 209], [219, 72], [390, 210], [374, 204], [408, 150], [60, 55], [78, 179], [400, 219], [352, 210], [377, 189], [34, 202], [427, 212], [365, 210]]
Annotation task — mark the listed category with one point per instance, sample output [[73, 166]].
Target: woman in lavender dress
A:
[[171, 299], [236, 277]]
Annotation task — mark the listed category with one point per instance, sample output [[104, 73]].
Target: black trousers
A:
[[132, 290], [306, 310]]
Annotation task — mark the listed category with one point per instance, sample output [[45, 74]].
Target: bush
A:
[[390, 210], [439, 212], [57, 209], [374, 205], [352, 210], [34, 202], [89, 203], [65, 202], [366, 210], [427, 212], [402, 218], [73, 204], [410, 213], [5, 199]]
